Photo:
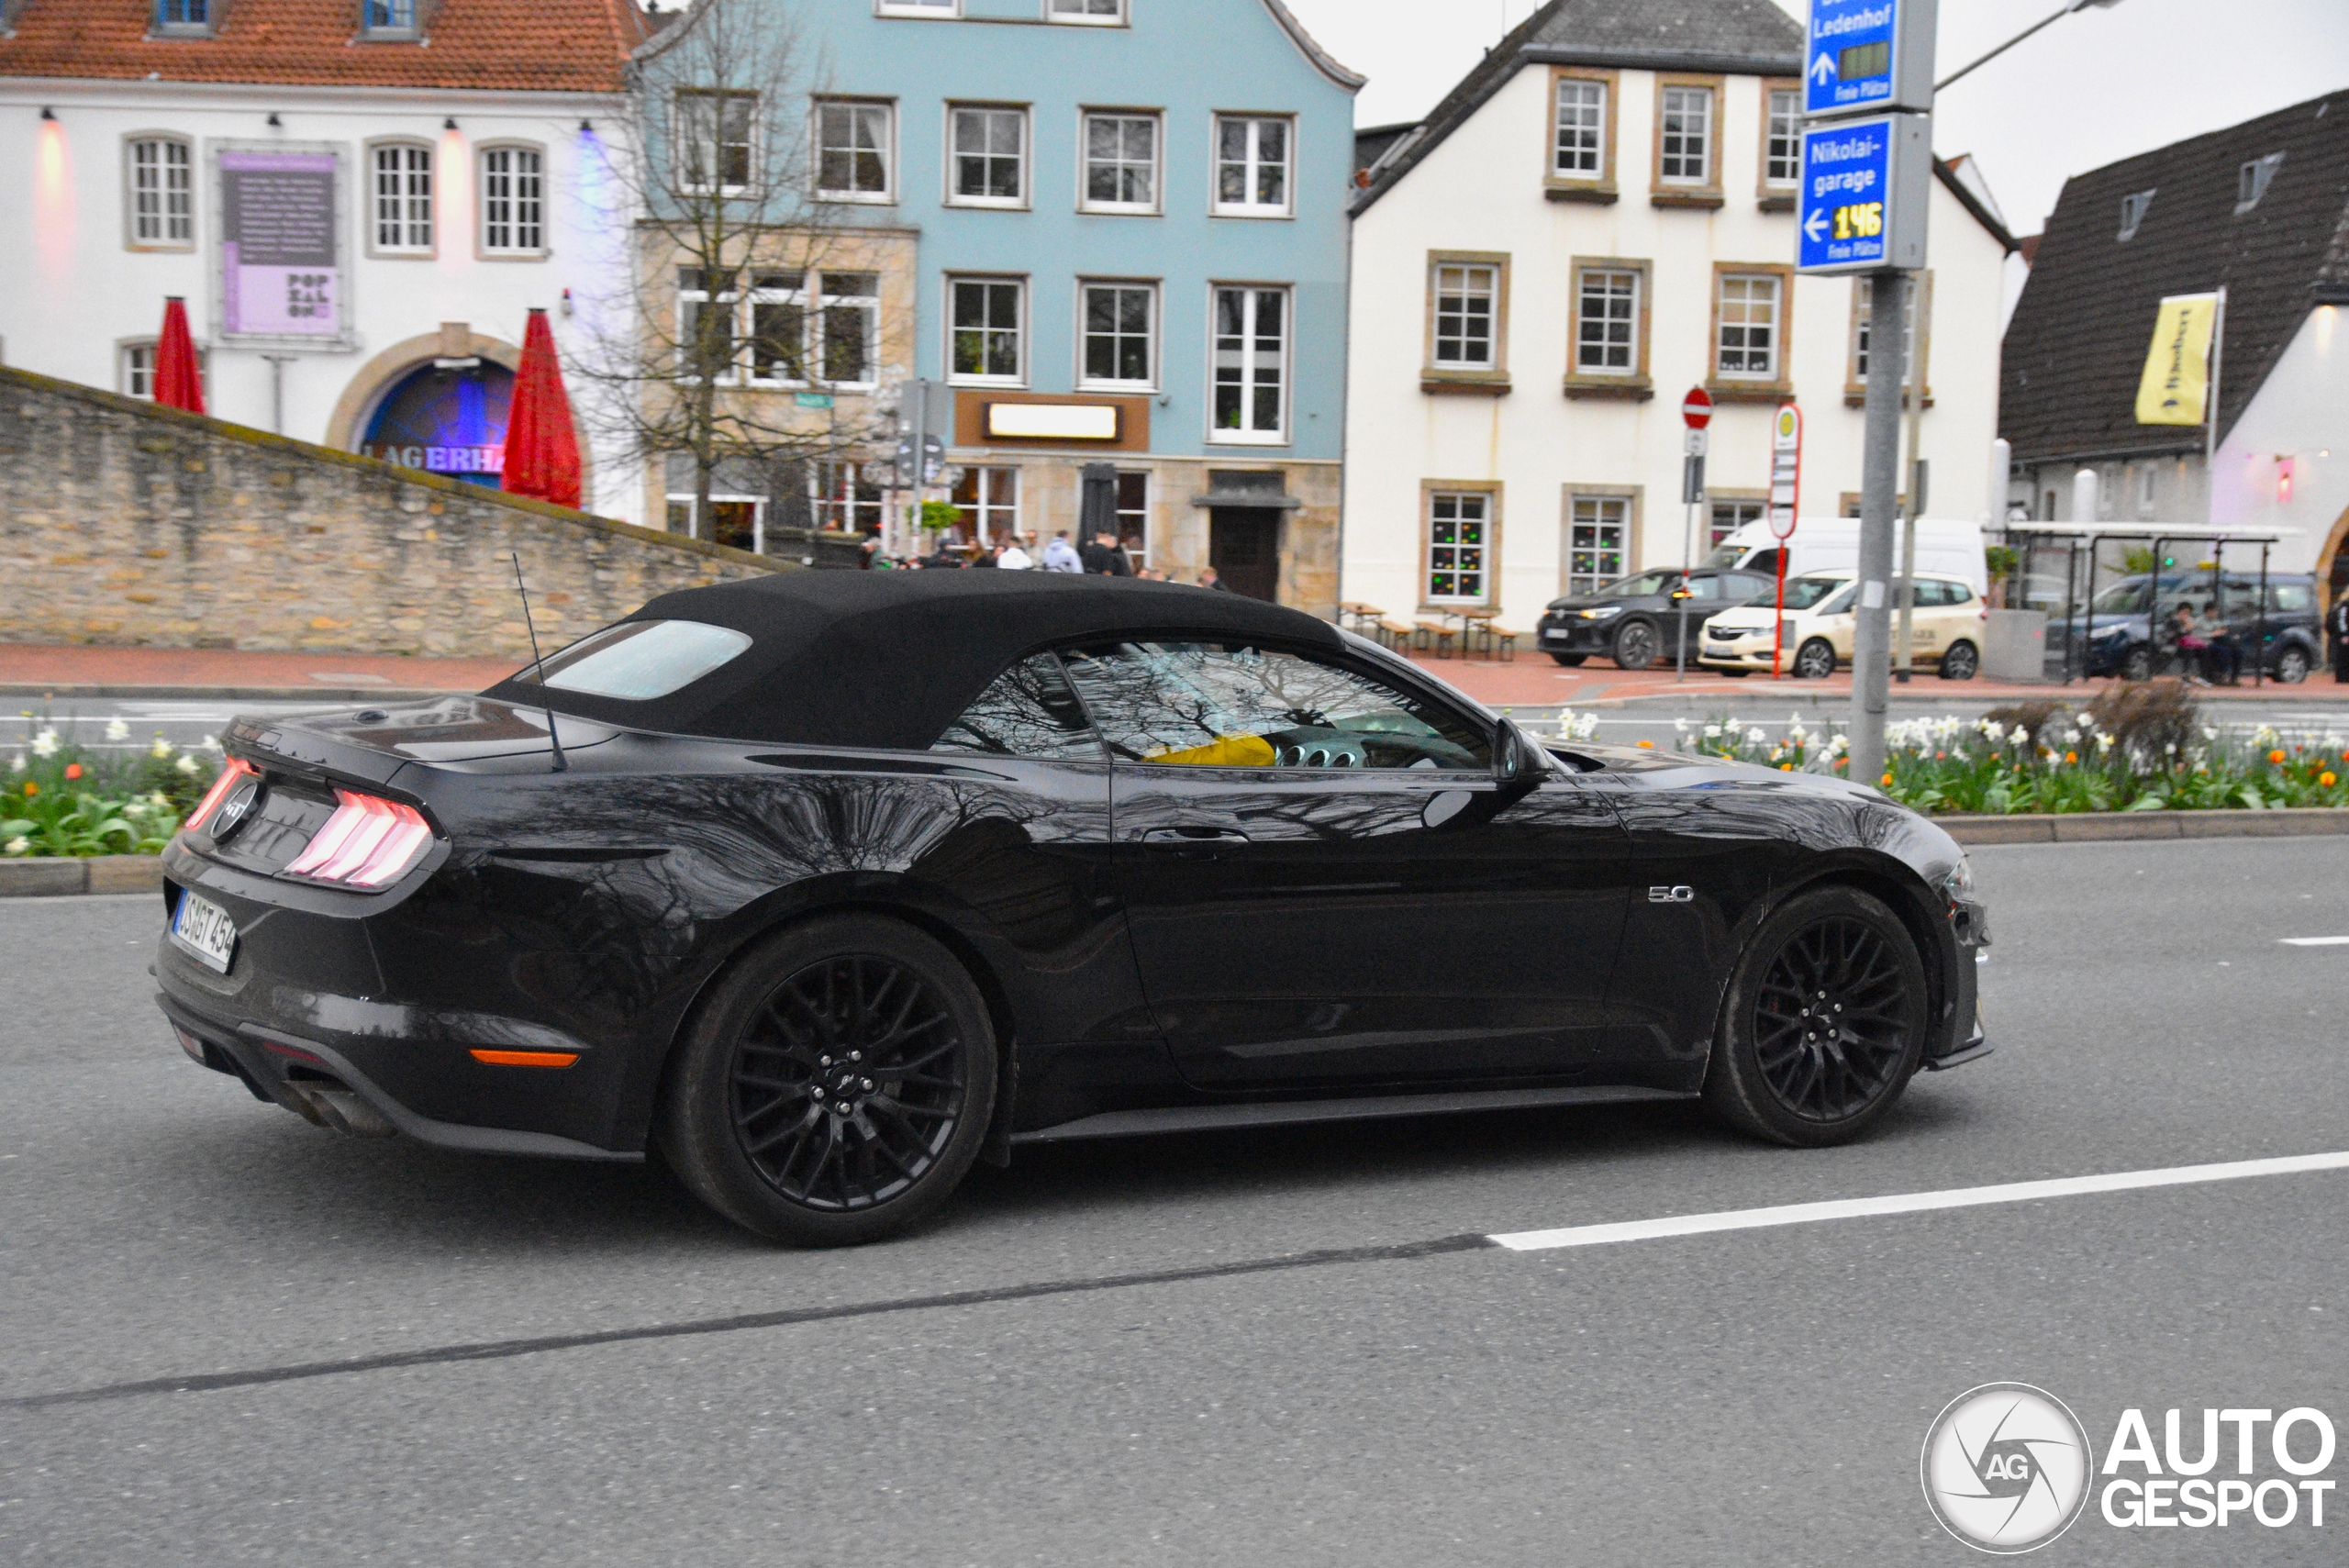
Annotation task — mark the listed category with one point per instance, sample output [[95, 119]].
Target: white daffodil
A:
[[16, 763], [45, 743], [159, 801], [187, 765], [209, 743], [161, 749], [117, 730], [18, 845]]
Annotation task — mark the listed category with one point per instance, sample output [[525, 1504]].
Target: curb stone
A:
[[2109, 826], [64, 877]]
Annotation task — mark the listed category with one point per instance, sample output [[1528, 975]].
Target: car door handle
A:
[[1194, 836]]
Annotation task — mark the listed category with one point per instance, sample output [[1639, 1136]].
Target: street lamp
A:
[[2069, 6]]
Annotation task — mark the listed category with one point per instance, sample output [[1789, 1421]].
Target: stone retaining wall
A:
[[126, 524]]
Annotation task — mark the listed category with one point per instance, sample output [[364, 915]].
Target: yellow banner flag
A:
[[2177, 385]]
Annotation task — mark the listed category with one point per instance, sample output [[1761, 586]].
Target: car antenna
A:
[[538, 662]]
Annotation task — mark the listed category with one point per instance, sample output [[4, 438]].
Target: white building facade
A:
[[360, 205], [1597, 220]]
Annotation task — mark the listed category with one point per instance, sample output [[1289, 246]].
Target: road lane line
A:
[[1914, 1203], [2316, 941]]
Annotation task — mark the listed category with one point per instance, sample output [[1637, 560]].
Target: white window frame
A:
[[867, 307], [1253, 164], [1582, 316], [536, 201], [392, 32], [1027, 157], [2257, 174], [922, 10], [1598, 520], [1596, 129], [1085, 381], [764, 290], [887, 110], [163, 142], [1086, 201], [837, 498], [1019, 331], [1703, 177], [1250, 386], [705, 143], [984, 505], [134, 360], [1056, 11], [1459, 281], [1483, 551], [1776, 326], [731, 304], [403, 197], [1791, 180], [1864, 329], [1742, 510]]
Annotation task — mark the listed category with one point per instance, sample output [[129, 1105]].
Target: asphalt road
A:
[[1747, 1397]]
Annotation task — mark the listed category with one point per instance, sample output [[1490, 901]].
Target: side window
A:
[[1704, 587], [1744, 586], [1028, 712], [1212, 706]]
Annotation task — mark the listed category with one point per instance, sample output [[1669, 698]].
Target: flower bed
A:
[[67, 800], [2134, 749]]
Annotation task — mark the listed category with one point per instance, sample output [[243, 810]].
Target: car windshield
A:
[[1646, 585], [639, 661], [1728, 555], [1806, 592]]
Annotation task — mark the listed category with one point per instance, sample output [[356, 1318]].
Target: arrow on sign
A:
[[1816, 227], [1823, 72]]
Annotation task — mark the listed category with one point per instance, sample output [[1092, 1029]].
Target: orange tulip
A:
[[2071, 757], [2328, 779], [73, 770], [1888, 780], [2276, 757], [32, 789]]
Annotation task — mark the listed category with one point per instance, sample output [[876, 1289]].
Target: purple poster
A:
[[281, 274]]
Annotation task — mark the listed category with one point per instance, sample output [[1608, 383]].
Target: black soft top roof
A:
[[886, 659]]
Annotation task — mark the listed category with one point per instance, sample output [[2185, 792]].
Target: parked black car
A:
[[2128, 632], [1636, 620], [840, 881]]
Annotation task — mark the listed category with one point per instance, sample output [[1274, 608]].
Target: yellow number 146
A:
[[1863, 222]]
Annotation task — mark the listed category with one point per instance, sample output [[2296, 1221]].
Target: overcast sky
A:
[[2095, 87]]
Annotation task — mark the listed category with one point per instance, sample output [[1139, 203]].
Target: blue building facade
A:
[[1133, 249]]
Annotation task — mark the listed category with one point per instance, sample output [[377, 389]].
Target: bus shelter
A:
[[2059, 570]]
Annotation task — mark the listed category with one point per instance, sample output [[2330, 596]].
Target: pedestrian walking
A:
[[2339, 623], [1104, 557], [1061, 556], [1014, 559], [1211, 578]]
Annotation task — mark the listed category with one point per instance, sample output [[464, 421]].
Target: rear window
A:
[[639, 661], [1805, 593]]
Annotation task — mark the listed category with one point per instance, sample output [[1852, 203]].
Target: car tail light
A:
[[238, 768], [367, 843]]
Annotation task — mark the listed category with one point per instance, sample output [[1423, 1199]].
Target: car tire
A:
[[2292, 666], [1960, 662], [819, 1016], [1732, 674], [2139, 665], [1636, 646], [1815, 659], [1571, 660], [1786, 1068]]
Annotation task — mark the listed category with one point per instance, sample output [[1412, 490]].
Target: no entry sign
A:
[[1698, 410]]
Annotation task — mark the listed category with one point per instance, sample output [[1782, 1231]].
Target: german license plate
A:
[[204, 928]]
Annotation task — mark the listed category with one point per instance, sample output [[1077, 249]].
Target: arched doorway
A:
[[445, 418]]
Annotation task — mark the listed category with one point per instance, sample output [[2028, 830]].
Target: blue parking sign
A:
[[1867, 55], [1866, 184]]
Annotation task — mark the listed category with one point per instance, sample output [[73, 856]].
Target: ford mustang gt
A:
[[826, 885]]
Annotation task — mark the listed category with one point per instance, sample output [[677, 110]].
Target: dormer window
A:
[[2252, 179], [2132, 212], [188, 19], [395, 21]]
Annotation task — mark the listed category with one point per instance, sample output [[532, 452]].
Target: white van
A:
[[1945, 549]]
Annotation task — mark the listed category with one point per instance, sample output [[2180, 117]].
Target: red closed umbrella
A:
[[179, 383], [541, 449]]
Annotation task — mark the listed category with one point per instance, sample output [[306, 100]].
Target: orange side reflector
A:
[[527, 1058]]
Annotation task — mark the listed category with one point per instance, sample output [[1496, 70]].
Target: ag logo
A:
[[2005, 1468]]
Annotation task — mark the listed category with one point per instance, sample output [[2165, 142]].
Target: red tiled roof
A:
[[558, 46]]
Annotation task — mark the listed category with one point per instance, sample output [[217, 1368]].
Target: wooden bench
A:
[[1442, 639]]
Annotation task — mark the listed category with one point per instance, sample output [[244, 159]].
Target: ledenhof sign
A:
[[279, 221]]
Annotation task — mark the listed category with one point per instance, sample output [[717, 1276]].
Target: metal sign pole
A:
[[1872, 633]]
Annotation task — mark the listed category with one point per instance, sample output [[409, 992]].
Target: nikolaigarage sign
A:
[[2007, 1468]]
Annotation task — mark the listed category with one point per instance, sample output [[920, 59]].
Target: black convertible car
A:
[[826, 884]]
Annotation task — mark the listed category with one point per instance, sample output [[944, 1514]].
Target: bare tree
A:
[[728, 333]]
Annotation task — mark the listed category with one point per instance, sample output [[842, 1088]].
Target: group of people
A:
[[1102, 556]]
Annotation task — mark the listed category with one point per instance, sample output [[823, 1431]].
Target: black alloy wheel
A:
[[1825, 1022], [1815, 659], [1961, 662], [1571, 660], [1636, 645], [837, 1087], [2292, 666]]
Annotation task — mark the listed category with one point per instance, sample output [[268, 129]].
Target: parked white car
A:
[[1820, 616]]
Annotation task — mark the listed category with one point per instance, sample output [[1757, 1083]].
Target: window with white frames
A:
[[1607, 322], [1460, 563], [1098, 13], [987, 340], [138, 378], [918, 7], [842, 500], [162, 193], [1685, 142], [1250, 354], [779, 328], [989, 165], [1862, 309], [1729, 516], [1581, 152], [1782, 140], [855, 152], [706, 345], [1121, 162], [804, 328], [1598, 535], [1748, 345], [1120, 329], [401, 177], [713, 138], [513, 201], [988, 499], [2133, 209], [389, 18], [1468, 308], [1255, 155], [851, 314]]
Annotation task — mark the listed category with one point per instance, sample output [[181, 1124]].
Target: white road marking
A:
[[1913, 1203], [2316, 941]]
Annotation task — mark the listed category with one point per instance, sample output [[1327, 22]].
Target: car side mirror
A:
[[1518, 763]]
